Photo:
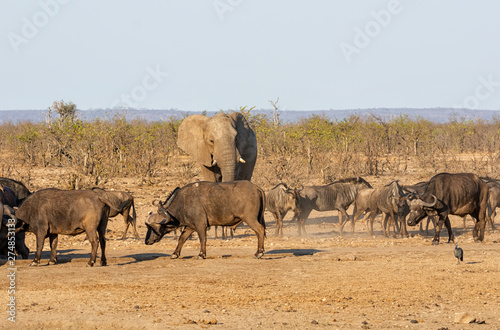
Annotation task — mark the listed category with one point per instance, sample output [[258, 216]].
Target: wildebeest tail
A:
[[134, 214]]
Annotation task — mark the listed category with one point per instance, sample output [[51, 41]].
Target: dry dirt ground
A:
[[322, 280]]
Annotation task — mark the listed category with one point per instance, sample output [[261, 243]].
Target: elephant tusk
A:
[[241, 160], [214, 162]]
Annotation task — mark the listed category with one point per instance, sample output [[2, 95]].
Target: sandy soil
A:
[[320, 280]]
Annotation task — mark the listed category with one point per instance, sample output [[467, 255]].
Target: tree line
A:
[[316, 149]]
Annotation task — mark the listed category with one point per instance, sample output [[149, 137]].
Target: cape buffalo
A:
[[416, 190], [459, 194], [17, 187], [9, 227], [8, 197], [279, 201], [50, 212], [122, 203], [338, 195], [199, 205]]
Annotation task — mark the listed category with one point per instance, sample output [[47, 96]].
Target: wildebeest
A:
[[361, 205], [458, 194], [493, 203], [338, 195], [391, 201], [50, 212], [11, 227], [122, 202], [199, 205], [280, 200], [17, 187]]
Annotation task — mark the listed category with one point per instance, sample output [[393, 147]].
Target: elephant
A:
[[224, 145]]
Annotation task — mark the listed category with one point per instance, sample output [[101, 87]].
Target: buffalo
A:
[[200, 205], [19, 189], [280, 200], [11, 227], [156, 218], [50, 212], [459, 194], [338, 195], [414, 191], [122, 203]]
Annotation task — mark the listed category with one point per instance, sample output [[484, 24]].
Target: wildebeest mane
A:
[[355, 180]]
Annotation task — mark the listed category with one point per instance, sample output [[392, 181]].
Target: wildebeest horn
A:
[[241, 160], [431, 204], [154, 202]]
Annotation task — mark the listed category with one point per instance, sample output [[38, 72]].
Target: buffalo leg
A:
[[202, 236], [182, 239], [40, 238], [479, 229], [102, 242], [53, 248], [260, 232], [446, 221], [92, 236]]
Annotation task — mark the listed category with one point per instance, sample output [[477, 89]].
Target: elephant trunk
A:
[[227, 164]]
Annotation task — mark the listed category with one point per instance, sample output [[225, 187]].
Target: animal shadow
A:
[[295, 252], [139, 257]]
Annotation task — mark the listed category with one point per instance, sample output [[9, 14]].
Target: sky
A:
[[224, 54]]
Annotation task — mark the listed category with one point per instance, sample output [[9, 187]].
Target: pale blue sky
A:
[[223, 54]]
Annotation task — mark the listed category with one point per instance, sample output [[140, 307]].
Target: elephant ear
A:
[[247, 141], [190, 139]]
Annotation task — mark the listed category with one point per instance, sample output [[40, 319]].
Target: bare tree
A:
[[276, 114]]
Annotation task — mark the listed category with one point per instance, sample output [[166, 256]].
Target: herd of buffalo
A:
[[200, 205], [225, 148]]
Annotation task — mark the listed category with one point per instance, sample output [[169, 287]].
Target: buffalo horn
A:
[[431, 204]]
